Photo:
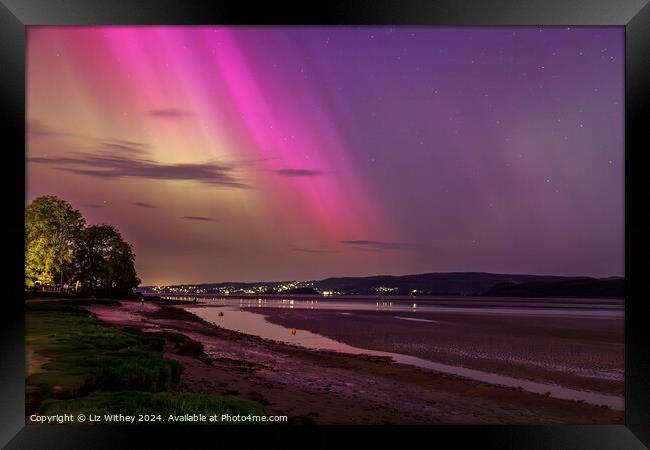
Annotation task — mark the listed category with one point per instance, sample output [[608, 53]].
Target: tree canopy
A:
[[104, 259], [60, 248], [52, 230]]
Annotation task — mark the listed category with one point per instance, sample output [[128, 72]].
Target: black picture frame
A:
[[634, 15]]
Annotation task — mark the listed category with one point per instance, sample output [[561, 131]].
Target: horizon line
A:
[[379, 275]]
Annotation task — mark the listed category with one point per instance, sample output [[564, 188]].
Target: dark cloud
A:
[[53, 160], [119, 145], [199, 218], [96, 205], [36, 128], [117, 165], [143, 205], [381, 245], [298, 172], [169, 113], [310, 250], [120, 158]]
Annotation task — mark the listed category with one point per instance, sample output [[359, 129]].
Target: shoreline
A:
[[187, 297], [336, 388]]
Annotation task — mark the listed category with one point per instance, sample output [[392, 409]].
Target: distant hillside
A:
[[451, 283], [302, 291], [590, 287]]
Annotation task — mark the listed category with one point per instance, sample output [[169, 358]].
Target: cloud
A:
[[199, 218], [310, 250], [143, 205], [298, 172], [53, 160], [117, 165], [120, 158], [36, 129], [96, 205], [381, 245], [122, 146], [169, 113]]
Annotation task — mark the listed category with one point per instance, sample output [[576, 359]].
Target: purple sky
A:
[[258, 153]]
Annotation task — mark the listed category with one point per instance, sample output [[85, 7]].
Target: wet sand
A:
[[580, 353], [335, 388]]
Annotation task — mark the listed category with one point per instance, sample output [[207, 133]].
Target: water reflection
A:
[[575, 308]]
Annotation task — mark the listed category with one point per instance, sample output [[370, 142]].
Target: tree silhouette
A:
[[104, 260]]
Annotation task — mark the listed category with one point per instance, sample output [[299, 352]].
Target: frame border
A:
[[634, 15]]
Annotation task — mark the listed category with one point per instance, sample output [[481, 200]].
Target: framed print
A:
[[385, 218]]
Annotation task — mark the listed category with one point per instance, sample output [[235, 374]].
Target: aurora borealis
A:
[[278, 153]]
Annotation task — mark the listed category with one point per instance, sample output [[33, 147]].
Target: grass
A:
[[164, 403], [92, 363], [85, 354], [184, 345]]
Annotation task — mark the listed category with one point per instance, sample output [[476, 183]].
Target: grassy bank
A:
[[88, 365]]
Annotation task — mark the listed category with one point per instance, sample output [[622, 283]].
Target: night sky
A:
[[263, 153]]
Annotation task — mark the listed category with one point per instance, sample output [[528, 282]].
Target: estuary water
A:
[[238, 315]]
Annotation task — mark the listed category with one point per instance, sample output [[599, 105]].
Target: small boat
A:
[[220, 314], [293, 331]]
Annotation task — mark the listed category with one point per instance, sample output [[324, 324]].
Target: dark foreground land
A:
[[76, 363], [324, 386]]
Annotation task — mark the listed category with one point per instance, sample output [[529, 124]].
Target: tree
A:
[[58, 247], [121, 267], [104, 260], [52, 229]]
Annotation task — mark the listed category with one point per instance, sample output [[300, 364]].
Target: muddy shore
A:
[[333, 388], [584, 354]]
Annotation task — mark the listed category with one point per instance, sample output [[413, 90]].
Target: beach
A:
[[337, 388]]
